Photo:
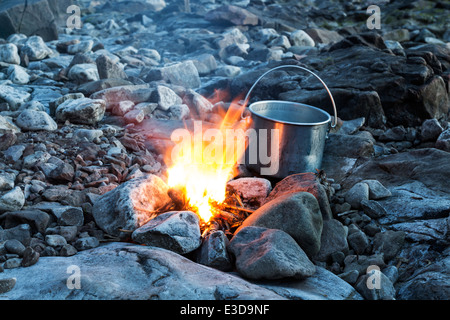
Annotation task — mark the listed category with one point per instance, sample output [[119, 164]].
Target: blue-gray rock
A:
[[263, 253], [178, 231], [32, 120], [213, 251], [81, 111], [124, 271]]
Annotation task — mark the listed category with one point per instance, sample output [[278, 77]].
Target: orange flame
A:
[[203, 161]]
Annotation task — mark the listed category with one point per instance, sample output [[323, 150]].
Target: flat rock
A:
[[123, 271], [81, 111]]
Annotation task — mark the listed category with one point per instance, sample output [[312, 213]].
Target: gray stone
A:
[[35, 48], [7, 285], [253, 191], [80, 47], [134, 116], [31, 120], [68, 232], [199, 105], [38, 220], [129, 205], [107, 68], [6, 125], [81, 111], [205, 63], [12, 200], [179, 112], [165, 97], [430, 130], [373, 209], [362, 262], [15, 97], [213, 251], [84, 72], [232, 14], [86, 243], [356, 194], [67, 250], [9, 53], [30, 257], [87, 134], [72, 217], [178, 231], [375, 286], [352, 126], [298, 214], [135, 93], [123, 107], [21, 232], [228, 71], [350, 276], [393, 134], [121, 271], [36, 159], [14, 246], [389, 243], [322, 285], [263, 253], [333, 239], [12, 263], [443, 141], [17, 74], [181, 74], [377, 190], [301, 38], [55, 240], [7, 180], [14, 153], [358, 241]]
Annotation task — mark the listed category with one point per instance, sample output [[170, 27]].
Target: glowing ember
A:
[[203, 162]]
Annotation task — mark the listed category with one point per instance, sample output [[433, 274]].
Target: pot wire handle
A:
[[247, 97]]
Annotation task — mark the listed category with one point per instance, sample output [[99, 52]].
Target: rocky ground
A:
[[85, 120]]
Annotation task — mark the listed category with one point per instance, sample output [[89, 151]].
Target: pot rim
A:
[[253, 112]]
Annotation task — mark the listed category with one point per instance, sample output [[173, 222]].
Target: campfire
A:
[[202, 163]]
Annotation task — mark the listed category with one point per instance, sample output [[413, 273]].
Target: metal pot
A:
[[288, 137]]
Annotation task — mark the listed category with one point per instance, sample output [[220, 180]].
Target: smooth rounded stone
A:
[[377, 190], [183, 74], [86, 243], [228, 71], [178, 231], [21, 232], [87, 134], [6, 125], [333, 239], [350, 276], [165, 97], [35, 159], [213, 251], [81, 111], [67, 250], [150, 53], [14, 246], [251, 190], [301, 38], [128, 206], [179, 112], [68, 232], [9, 53], [389, 243], [32, 120], [373, 209], [84, 72], [12, 200], [7, 180], [375, 286], [17, 74], [430, 130], [266, 35], [55, 240], [35, 48], [358, 241], [12, 263], [232, 14], [356, 194], [7, 285], [30, 257], [205, 63], [72, 217], [443, 141], [14, 96], [263, 253], [81, 47], [298, 214]]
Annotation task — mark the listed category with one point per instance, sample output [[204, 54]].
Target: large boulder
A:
[[124, 271], [297, 214], [130, 205]]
